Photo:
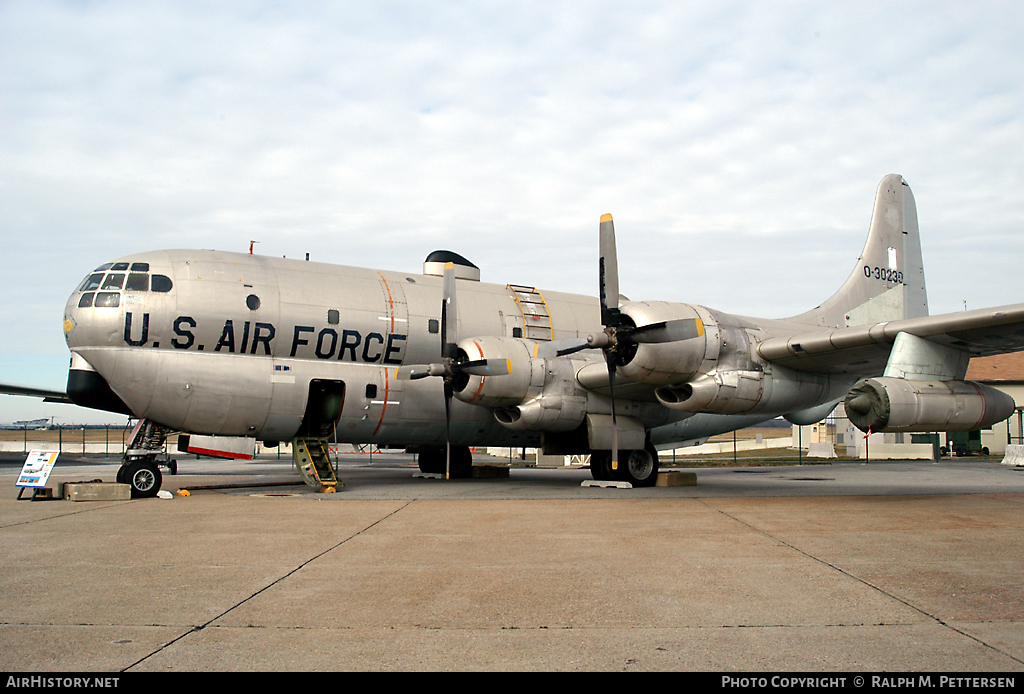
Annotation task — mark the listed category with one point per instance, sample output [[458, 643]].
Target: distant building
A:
[[32, 424], [1005, 372]]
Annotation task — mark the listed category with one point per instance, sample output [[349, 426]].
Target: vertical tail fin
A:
[[888, 281]]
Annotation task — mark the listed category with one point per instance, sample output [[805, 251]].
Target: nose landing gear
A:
[[140, 468]]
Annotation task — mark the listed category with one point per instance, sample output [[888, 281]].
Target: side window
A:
[[108, 300], [86, 300], [114, 280], [137, 282], [161, 283], [91, 282]]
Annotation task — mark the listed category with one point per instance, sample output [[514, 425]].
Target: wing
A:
[[865, 348], [46, 395]]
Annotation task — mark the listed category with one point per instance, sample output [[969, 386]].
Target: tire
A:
[[431, 460], [461, 466], [601, 466], [639, 467], [144, 478]]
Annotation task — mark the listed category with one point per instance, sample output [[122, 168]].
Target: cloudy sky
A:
[[737, 144]]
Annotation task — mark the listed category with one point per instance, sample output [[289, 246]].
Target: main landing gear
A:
[[432, 460], [638, 467]]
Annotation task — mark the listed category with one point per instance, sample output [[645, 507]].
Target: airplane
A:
[[221, 344]]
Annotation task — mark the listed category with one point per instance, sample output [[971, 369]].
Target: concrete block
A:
[[97, 491], [676, 479], [1014, 455]]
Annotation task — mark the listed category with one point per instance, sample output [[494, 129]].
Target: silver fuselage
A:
[[228, 344]]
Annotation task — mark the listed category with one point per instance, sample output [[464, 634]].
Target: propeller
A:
[[619, 334], [453, 364]]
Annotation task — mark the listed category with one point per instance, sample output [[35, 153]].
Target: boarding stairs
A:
[[313, 459]]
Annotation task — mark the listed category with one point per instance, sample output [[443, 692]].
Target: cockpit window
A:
[[129, 276], [107, 300], [91, 282], [137, 282], [161, 283], [114, 280]]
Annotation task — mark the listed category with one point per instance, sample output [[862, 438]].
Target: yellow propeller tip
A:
[[606, 218]]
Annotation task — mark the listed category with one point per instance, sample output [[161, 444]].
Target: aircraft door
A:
[[323, 408]]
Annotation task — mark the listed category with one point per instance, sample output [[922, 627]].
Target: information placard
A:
[[37, 469]]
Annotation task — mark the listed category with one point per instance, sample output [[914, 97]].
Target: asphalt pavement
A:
[[883, 566]]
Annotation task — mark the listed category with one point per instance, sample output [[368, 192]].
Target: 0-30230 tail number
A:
[[883, 273]]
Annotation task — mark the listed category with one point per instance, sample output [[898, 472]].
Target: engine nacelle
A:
[[726, 392], [776, 390], [896, 404], [537, 395], [507, 389], [668, 362], [545, 413]]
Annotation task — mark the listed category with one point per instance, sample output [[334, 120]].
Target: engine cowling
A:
[[669, 362], [507, 389], [537, 395], [896, 404], [728, 392]]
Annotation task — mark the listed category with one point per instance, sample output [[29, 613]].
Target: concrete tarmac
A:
[[895, 566]]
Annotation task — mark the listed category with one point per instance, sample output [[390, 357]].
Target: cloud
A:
[[738, 145]]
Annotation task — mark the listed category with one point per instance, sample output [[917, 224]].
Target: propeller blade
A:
[[449, 315], [448, 392], [414, 372], [609, 358], [560, 348], [608, 274], [667, 331], [484, 367]]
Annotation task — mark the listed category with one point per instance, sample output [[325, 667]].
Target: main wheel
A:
[[431, 460], [461, 465], [601, 466], [144, 478], [639, 467]]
